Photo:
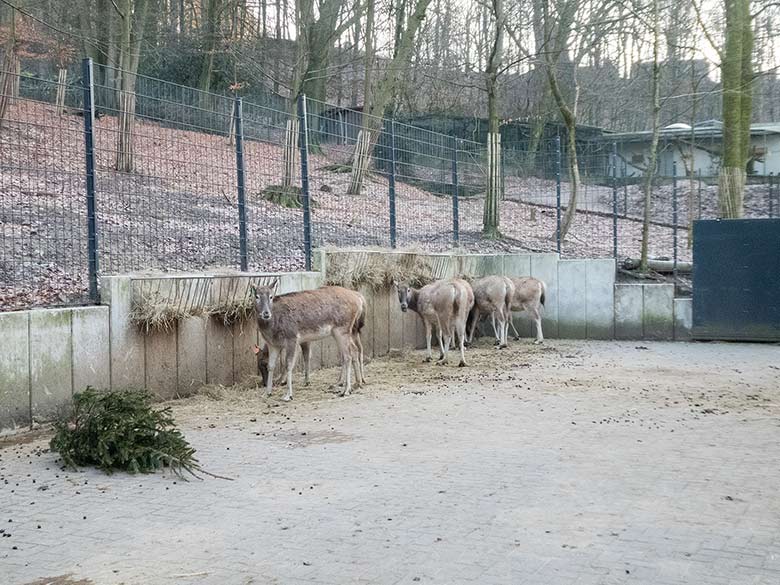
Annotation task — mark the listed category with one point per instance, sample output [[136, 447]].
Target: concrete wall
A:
[[200, 349], [48, 354]]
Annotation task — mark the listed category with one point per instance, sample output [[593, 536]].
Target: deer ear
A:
[[253, 289], [274, 286]]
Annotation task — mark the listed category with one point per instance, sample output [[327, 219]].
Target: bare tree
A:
[[737, 76], [490, 215], [655, 108], [384, 90]]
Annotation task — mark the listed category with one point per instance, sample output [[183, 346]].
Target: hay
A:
[[377, 270], [152, 314], [231, 312]]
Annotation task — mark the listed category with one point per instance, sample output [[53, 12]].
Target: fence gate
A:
[[736, 279]]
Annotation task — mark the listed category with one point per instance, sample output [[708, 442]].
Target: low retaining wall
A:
[[48, 354]]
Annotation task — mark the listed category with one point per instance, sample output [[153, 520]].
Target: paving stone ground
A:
[[572, 463]]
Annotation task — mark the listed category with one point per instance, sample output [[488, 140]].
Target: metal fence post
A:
[[771, 197], [674, 216], [303, 133], [699, 193], [558, 192], [238, 116], [455, 195], [391, 184], [625, 188], [614, 202], [87, 79]]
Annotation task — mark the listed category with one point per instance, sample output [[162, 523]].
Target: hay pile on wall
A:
[[152, 313], [379, 270]]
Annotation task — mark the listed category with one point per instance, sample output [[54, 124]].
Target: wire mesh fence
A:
[[185, 180]]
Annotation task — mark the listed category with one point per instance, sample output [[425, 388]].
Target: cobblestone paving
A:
[[576, 463]]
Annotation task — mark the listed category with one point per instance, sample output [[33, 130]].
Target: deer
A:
[[299, 318], [493, 296], [529, 297], [444, 304], [357, 359]]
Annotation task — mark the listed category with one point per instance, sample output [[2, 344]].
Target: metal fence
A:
[[96, 182]]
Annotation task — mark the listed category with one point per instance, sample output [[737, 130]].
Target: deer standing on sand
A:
[[357, 359], [298, 318], [529, 297], [493, 296], [444, 304]]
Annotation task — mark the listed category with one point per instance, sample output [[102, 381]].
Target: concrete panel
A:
[[368, 330], [629, 311], [572, 299], [127, 343], [91, 348], [683, 319], [310, 280], [517, 265], [476, 265], [381, 314], [161, 366], [51, 362], [191, 360], [395, 321], [600, 299], [443, 265], [545, 268], [245, 337], [219, 353], [658, 317], [14, 370]]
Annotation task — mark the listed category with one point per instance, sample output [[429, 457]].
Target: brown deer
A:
[[298, 318], [492, 296], [529, 297], [357, 359], [444, 304]]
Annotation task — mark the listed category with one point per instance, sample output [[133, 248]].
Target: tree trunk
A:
[[656, 112], [383, 92], [490, 215], [133, 22], [737, 79], [211, 9], [8, 78]]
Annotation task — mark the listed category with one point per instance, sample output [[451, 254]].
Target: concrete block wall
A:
[[48, 354], [650, 311], [579, 303], [45, 356], [199, 349]]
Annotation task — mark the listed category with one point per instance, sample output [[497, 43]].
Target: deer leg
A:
[[428, 341], [503, 327], [460, 325], [512, 323], [292, 357], [306, 351], [344, 341], [538, 321], [473, 326], [443, 357], [359, 373], [273, 355], [495, 330]]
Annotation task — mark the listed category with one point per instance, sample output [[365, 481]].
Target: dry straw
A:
[[379, 270], [154, 314]]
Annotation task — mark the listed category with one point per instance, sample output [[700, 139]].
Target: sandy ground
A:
[[573, 462]]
